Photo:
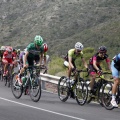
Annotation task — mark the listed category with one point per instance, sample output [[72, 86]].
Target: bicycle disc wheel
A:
[[107, 95], [63, 90], [81, 91], [35, 88], [16, 89]]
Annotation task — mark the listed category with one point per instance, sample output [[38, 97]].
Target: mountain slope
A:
[[61, 23]]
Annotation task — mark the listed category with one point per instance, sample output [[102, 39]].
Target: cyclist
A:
[[31, 50], [46, 57], [94, 64], [71, 56], [115, 67], [8, 58], [2, 50]]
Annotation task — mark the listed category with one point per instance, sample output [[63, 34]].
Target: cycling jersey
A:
[[116, 60], [99, 59], [33, 50], [71, 53], [8, 57]]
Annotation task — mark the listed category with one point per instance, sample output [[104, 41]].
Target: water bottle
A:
[[23, 80]]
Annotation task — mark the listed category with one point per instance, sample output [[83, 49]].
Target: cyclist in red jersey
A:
[[94, 64], [8, 57]]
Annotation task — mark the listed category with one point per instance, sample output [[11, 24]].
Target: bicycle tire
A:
[[107, 95], [1, 75], [81, 92], [63, 89], [35, 88], [15, 88]]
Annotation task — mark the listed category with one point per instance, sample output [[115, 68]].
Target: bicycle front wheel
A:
[[81, 91], [107, 95], [16, 89], [35, 88], [63, 89]]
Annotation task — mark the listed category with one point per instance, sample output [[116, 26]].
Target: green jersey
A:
[[71, 53], [33, 50]]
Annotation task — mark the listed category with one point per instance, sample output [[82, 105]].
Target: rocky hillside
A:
[[61, 23]]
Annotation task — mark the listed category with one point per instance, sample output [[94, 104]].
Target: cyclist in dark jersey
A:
[[2, 50], [115, 67], [30, 52], [94, 64]]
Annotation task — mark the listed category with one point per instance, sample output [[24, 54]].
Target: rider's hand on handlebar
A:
[[99, 72]]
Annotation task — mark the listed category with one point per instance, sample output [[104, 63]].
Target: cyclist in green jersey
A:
[[72, 55], [30, 52]]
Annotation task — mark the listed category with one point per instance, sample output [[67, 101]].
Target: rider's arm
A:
[[25, 58], [84, 62], [108, 63], [95, 64], [41, 58], [70, 62]]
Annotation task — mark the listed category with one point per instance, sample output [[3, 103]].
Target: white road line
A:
[[41, 109]]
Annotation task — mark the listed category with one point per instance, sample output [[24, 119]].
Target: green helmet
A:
[[38, 40]]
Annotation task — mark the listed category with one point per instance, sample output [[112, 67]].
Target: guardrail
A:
[[49, 78], [49, 82]]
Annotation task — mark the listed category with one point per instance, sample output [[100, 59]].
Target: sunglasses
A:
[[78, 51]]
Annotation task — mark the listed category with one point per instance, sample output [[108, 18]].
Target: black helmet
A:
[[102, 49]]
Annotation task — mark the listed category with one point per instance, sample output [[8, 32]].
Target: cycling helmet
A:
[[102, 49], [14, 50], [18, 50], [9, 49], [79, 46], [3, 48], [38, 40], [45, 47]]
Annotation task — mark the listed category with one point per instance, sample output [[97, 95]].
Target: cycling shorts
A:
[[93, 70], [115, 72], [7, 61]]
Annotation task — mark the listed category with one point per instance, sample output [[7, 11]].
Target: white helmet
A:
[[9, 49], [79, 46], [3, 48]]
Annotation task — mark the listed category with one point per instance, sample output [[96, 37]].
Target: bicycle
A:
[[79, 89], [31, 86], [107, 95], [7, 79], [95, 94]]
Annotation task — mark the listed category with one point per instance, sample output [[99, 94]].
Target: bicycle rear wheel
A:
[[107, 95], [16, 89], [81, 92], [63, 89], [35, 88]]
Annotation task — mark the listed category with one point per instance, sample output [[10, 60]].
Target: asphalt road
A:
[[50, 108]]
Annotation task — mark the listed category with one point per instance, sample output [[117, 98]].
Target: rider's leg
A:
[[115, 74], [92, 79], [5, 63]]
